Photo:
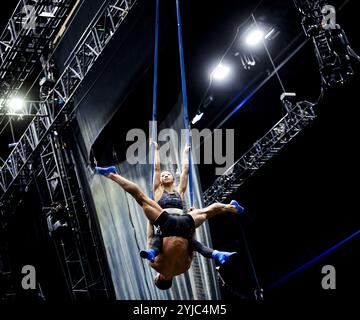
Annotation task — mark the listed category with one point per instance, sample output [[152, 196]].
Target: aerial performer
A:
[[171, 230]]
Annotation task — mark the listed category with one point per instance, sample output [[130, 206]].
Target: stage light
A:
[[197, 117], [16, 104], [220, 72], [254, 37]]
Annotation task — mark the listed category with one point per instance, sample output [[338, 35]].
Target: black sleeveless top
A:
[[171, 200]]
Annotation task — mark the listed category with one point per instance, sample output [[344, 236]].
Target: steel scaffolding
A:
[[69, 222], [43, 154], [332, 48], [299, 115], [28, 33], [58, 104]]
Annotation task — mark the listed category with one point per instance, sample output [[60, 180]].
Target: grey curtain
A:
[[123, 227], [121, 220]]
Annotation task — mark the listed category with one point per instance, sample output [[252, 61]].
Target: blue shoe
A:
[[149, 254], [222, 256], [240, 209], [105, 171]]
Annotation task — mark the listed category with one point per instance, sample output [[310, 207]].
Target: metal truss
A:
[[298, 116], [330, 42], [28, 33], [58, 103], [69, 222], [331, 48]]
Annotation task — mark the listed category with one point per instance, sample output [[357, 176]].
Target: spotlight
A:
[[254, 37], [16, 104], [220, 72]]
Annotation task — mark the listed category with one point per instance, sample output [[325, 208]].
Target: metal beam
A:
[[92, 43], [330, 42], [27, 34], [299, 116], [70, 225]]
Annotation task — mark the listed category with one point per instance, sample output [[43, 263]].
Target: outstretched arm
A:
[[156, 180], [149, 233], [184, 171]]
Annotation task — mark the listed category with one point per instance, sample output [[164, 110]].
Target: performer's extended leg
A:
[[201, 248], [220, 256], [201, 215], [151, 209]]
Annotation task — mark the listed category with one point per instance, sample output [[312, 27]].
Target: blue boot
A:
[[222, 256], [240, 209], [149, 254], [105, 171]]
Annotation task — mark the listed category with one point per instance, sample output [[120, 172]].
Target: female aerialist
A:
[[172, 199], [170, 235]]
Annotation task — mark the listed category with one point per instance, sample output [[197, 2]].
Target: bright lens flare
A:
[[254, 37], [220, 72], [16, 104]]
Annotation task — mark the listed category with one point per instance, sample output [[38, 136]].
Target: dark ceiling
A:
[[302, 202]]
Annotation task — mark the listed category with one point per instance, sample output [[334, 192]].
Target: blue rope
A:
[[153, 131], [184, 96]]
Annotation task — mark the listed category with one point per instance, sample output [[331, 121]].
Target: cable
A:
[[250, 259], [226, 52], [270, 58]]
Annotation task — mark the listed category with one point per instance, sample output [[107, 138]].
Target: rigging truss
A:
[[58, 104], [29, 32], [299, 115]]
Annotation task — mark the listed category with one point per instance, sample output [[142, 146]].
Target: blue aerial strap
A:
[[184, 96], [153, 129]]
